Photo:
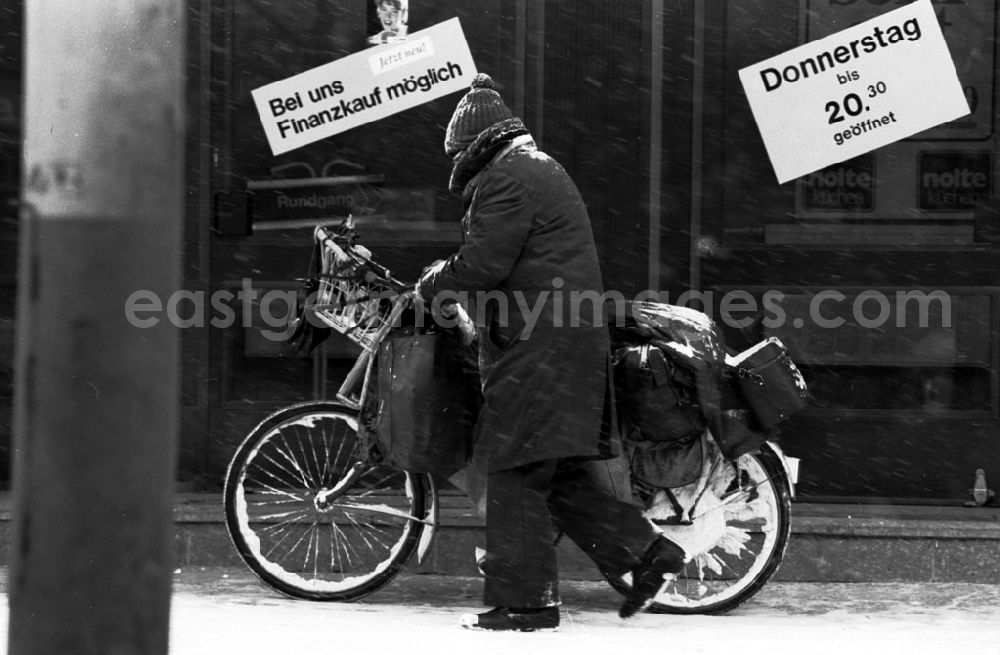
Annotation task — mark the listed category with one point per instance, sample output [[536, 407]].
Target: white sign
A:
[[854, 91], [365, 87]]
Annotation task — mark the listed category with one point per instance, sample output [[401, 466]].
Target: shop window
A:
[[389, 175], [879, 349], [936, 188]]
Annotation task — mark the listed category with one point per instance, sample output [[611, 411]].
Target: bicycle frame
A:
[[361, 371]]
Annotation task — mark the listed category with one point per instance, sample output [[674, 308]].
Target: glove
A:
[[426, 276]]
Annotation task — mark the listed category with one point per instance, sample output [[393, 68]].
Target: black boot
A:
[[512, 618], [663, 556]]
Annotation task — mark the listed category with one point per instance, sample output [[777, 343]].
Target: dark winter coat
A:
[[527, 238]]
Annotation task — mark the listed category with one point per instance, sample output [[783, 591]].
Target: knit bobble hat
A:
[[478, 109]]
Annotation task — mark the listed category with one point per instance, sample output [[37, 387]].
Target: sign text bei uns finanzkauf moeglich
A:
[[364, 87]]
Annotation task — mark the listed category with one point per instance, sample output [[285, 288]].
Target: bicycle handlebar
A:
[[345, 252]]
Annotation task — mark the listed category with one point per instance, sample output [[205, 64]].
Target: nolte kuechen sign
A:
[[365, 87]]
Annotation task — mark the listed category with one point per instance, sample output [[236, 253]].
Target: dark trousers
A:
[[524, 503]]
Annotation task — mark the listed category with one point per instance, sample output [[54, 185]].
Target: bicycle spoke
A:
[[383, 509], [340, 450], [377, 487], [363, 531], [347, 544], [285, 535], [313, 541], [263, 503], [274, 491], [306, 477], [335, 549], [294, 516], [375, 532], [326, 457], [313, 464], [295, 478], [295, 545], [732, 498], [270, 517], [285, 451]]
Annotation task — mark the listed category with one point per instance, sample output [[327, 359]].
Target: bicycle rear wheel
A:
[[743, 518], [311, 516]]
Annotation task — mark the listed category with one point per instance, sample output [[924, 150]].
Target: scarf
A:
[[471, 161]]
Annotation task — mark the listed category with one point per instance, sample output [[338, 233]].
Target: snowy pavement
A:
[[419, 614], [222, 611]]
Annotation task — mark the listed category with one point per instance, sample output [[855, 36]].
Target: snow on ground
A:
[[219, 611], [882, 625]]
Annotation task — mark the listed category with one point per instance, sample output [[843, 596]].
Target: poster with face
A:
[[387, 20]]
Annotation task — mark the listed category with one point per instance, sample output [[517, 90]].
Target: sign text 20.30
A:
[[852, 104]]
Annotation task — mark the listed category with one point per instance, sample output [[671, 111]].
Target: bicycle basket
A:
[[351, 299]]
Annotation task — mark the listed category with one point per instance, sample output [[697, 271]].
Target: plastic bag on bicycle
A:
[[427, 400]]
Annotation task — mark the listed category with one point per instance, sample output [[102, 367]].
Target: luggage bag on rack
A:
[[771, 383], [660, 420]]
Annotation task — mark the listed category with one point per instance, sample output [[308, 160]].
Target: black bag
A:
[[772, 385], [656, 399], [740, 433], [306, 330], [667, 464], [429, 398]]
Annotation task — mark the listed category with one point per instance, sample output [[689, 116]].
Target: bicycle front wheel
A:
[[311, 516]]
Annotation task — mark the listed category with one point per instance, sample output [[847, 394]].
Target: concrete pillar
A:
[[96, 408]]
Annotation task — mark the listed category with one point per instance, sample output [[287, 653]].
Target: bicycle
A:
[[316, 514]]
